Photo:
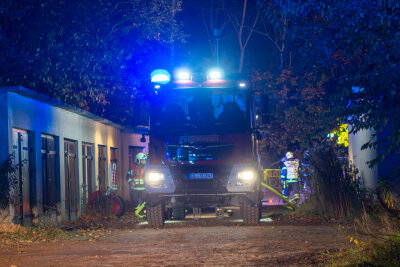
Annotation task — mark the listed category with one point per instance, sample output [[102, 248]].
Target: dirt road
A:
[[187, 244]]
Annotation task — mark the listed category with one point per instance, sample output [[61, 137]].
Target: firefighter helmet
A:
[[289, 155], [140, 156]]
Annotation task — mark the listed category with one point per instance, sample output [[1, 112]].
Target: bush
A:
[[335, 191], [379, 227], [9, 186]]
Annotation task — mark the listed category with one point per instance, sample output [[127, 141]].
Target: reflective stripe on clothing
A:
[[283, 173], [139, 188], [292, 168], [138, 178], [138, 181], [139, 184]]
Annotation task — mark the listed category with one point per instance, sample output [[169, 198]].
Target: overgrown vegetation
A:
[[9, 186], [41, 232], [377, 237], [336, 191]]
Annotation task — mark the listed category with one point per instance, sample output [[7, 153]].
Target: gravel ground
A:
[[207, 242]]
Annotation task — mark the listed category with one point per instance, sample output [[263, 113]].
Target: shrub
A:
[[9, 185], [335, 191]]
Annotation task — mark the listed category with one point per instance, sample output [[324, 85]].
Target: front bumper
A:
[[202, 200]]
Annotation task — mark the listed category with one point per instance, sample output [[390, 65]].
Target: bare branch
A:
[[252, 29]]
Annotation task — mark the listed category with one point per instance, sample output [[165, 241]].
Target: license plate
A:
[[193, 176]]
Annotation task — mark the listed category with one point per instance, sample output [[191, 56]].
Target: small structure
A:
[[65, 154], [361, 157]]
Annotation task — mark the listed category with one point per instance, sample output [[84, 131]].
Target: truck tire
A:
[[123, 206], [251, 209], [155, 215], [178, 213]]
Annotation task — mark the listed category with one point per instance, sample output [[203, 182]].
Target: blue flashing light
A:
[[214, 74], [157, 86], [183, 75], [242, 85], [160, 76]]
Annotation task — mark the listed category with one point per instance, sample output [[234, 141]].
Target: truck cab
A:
[[202, 149]]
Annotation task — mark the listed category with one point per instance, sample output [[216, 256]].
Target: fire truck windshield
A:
[[201, 113]]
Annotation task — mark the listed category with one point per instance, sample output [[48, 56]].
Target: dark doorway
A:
[[49, 172], [133, 150], [21, 191], [87, 165], [71, 182], [102, 167]]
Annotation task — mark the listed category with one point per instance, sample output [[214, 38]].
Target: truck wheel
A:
[[155, 215], [251, 209], [235, 214], [168, 214], [178, 213]]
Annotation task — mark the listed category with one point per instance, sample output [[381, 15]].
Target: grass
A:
[[379, 227], [39, 233], [374, 253]]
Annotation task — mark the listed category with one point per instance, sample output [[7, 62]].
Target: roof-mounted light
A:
[[183, 75], [214, 74], [160, 76], [242, 84]]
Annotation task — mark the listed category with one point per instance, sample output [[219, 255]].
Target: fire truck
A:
[[203, 146]]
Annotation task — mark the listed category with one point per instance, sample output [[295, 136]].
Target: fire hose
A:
[[290, 205], [139, 209]]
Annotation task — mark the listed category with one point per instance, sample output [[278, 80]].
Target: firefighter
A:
[[135, 178], [290, 177]]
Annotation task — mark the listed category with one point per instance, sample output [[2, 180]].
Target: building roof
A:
[[20, 90]]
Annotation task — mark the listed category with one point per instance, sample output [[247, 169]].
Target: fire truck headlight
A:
[[155, 177], [247, 176]]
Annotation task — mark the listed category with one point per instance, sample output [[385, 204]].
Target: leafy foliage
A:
[[89, 54], [379, 228], [9, 186], [337, 193], [331, 47]]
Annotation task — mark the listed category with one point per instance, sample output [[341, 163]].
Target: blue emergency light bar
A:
[[160, 76], [183, 75], [214, 74], [184, 79]]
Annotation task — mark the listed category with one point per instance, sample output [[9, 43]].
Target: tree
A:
[[330, 47], [244, 26], [92, 55], [303, 108]]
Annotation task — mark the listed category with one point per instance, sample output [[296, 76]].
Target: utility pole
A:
[[217, 36]]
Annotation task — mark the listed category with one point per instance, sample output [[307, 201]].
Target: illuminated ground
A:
[[207, 242]]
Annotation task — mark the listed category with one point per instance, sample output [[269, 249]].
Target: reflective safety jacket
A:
[[137, 177], [290, 171]]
